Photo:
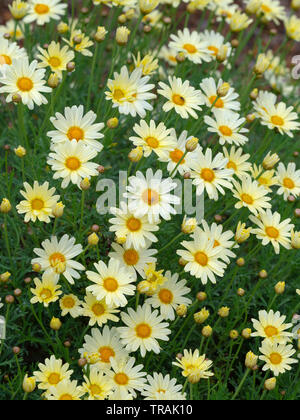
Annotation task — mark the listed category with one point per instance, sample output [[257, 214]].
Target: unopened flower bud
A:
[[279, 287], [62, 28], [270, 160], [188, 226], [182, 261], [20, 151], [58, 209], [55, 324], [223, 90], [223, 312], [270, 384], [93, 239], [222, 53], [181, 310], [36, 267], [71, 66], [9, 299], [135, 155], [112, 123], [263, 274], [180, 57], [29, 384], [201, 296], [246, 333], [85, 184], [100, 34], [201, 316], [240, 291], [233, 334], [147, 6], [5, 206], [250, 360], [207, 331], [191, 144], [4, 277], [53, 81], [254, 94], [122, 35]]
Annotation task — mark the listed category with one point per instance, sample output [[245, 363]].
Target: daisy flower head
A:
[[18, 9], [203, 259], [148, 64], [237, 161], [153, 138], [9, 51], [211, 174], [71, 162], [55, 57], [288, 179], [250, 194], [143, 330], [42, 11], [175, 156], [112, 283], [39, 202], [136, 230], [182, 97], [56, 257], [46, 291], [271, 327], [169, 295], [9, 28], [26, 80], [221, 239], [150, 194], [153, 279], [271, 10], [169, 55], [214, 42], [66, 390], [228, 125], [211, 98], [277, 357], [52, 372], [134, 260], [70, 304], [270, 229], [75, 125], [194, 366], [85, 43], [264, 178], [161, 387], [98, 311], [101, 347], [276, 115], [192, 45], [242, 233], [97, 386], [126, 377], [130, 92]]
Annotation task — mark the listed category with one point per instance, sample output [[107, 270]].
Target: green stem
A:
[[241, 384]]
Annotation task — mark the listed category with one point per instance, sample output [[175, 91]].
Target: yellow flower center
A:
[[201, 258], [150, 197], [105, 353], [95, 389], [110, 284], [270, 331], [75, 133], [24, 84], [54, 378], [231, 165], [272, 232], [214, 49], [41, 9], [178, 100], [98, 309], [207, 174], [288, 183], [56, 258], [176, 155], [73, 163], [143, 330], [216, 243], [263, 181], [152, 142], [133, 224], [265, 8], [247, 198], [68, 302], [66, 397], [46, 294], [225, 130], [276, 120], [190, 48], [5, 59], [37, 204], [275, 358], [118, 94], [131, 257], [54, 62], [165, 296], [218, 104], [121, 379]]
